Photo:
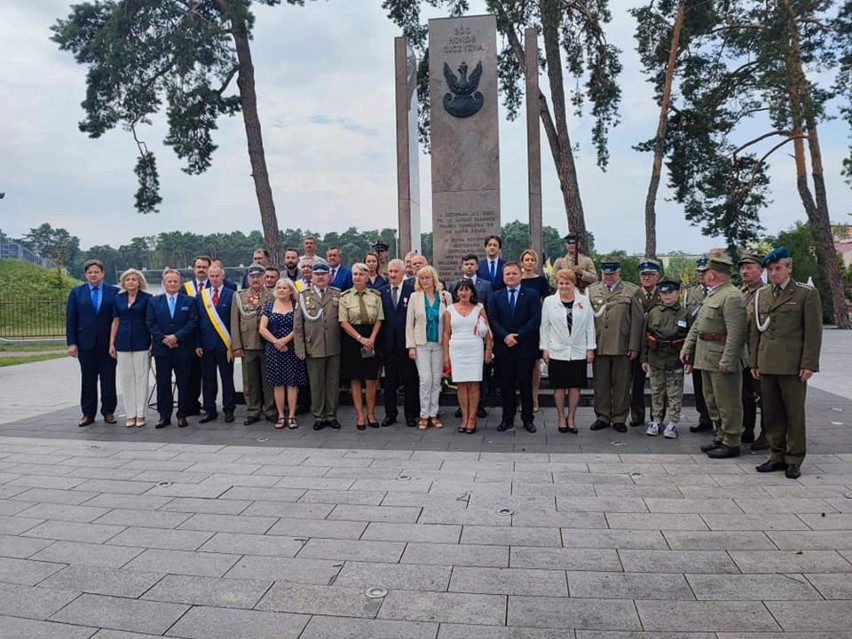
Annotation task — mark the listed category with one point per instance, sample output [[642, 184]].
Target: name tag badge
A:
[[681, 323], [184, 308]]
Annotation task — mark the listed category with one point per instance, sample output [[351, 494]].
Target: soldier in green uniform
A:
[[248, 345], [786, 336], [692, 300], [582, 265], [317, 342], [648, 296], [715, 345], [751, 270], [618, 325], [666, 326]]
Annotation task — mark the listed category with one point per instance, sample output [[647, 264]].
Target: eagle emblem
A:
[[463, 100]]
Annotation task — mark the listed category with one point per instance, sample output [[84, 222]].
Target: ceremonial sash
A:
[[189, 287], [218, 324]]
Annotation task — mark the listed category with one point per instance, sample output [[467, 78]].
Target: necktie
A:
[[215, 297], [96, 298], [512, 299], [362, 308], [776, 291], [320, 292], [493, 270], [331, 276], [705, 289], [199, 286], [395, 296], [172, 306]]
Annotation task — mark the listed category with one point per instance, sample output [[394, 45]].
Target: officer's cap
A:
[[649, 266], [380, 246], [751, 257], [720, 263], [256, 269], [610, 265], [668, 285], [571, 238], [320, 267], [701, 264], [775, 255]]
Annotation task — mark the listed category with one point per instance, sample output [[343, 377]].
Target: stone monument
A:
[[407, 149], [465, 140]]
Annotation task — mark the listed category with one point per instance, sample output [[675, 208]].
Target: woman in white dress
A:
[[465, 332]]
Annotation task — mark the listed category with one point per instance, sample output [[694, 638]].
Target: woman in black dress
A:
[[530, 279]]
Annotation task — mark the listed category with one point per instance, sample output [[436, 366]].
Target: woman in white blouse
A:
[[567, 341]]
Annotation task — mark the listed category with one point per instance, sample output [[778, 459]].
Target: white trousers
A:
[[133, 373], [430, 364]]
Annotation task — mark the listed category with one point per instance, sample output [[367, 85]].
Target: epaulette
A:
[[346, 292], [804, 285]]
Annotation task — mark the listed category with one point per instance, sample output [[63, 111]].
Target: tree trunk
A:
[[801, 108], [257, 158], [660, 143]]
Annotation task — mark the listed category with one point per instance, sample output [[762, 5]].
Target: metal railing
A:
[[42, 318], [11, 250]]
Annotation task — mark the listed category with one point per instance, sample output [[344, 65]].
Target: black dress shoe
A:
[[372, 424], [792, 471], [760, 443], [458, 412], [771, 466], [599, 425], [229, 416], [701, 427], [481, 412], [504, 426], [207, 417], [163, 423], [389, 421], [563, 429], [319, 424], [747, 437], [333, 423], [411, 422], [361, 426], [182, 423], [706, 448], [621, 427], [251, 419], [724, 452], [193, 412], [530, 427], [636, 423]]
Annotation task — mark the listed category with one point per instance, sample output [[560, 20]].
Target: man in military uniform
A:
[[246, 310], [692, 300], [381, 249], [648, 296], [751, 270], [716, 346], [618, 324], [582, 265], [317, 342], [786, 336]]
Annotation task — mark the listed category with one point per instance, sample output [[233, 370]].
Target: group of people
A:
[[315, 325]]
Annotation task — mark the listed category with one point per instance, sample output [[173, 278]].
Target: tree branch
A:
[[761, 137], [760, 162]]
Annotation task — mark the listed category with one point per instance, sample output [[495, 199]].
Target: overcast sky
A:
[[325, 91]]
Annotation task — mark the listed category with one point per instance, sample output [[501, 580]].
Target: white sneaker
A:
[[671, 431], [653, 429]]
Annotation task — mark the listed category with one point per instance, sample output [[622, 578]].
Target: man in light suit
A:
[[491, 267], [88, 319], [339, 276], [172, 320], [515, 316], [214, 346], [400, 369]]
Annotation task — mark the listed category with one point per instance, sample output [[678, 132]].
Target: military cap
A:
[[701, 264], [256, 269], [775, 255], [610, 265], [751, 257], [649, 266], [380, 246], [320, 267], [571, 238], [720, 263], [667, 285]]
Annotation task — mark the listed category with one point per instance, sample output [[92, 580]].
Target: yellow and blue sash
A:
[[189, 288], [218, 324]]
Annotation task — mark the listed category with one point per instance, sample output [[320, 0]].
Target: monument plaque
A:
[[407, 149], [465, 140]]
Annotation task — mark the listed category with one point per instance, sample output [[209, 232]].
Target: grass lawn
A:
[[30, 348], [26, 359]]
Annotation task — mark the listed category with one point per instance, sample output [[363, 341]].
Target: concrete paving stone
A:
[[590, 478], [243, 544], [359, 473], [602, 560], [815, 480], [663, 492], [394, 576], [337, 462], [656, 521], [210, 506], [120, 474], [754, 522], [718, 540], [509, 581], [554, 612], [470, 516], [21, 547], [321, 627], [517, 503], [319, 483], [784, 635], [151, 464], [223, 467], [615, 634], [48, 481], [462, 631], [162, 538], [625, 468], [368, 486], [200, 491], [617, 585], [337, 601], [420, 532], [349, 550], [277, 470], [516, 476], [805, 492], [178, 477], [787, 561], [616, 539], [685, 505], [145, 455], [784, 505], [694, 561], [228, 523], [396, 514], [143, 518], [53, 496], [118, 613], [74, 531], [456, 555], [303, 571], [26, 572], [223, 623], [563, 490], [831, 521], [69, 552], [836, 586], [36, 459], [601, 504], [253, 493], [131, 502], [705, 616], [33, 602], [715, 492], [7, 492], [208, 591], [810, 616], [512, 536], [260, 481], [454, 464], [812, 540], [287, 510], [318, 528], [18, 628], [444, 607], [697, 479], [183, 562], [94, 461], [420, 500], [842, 504], [12, 507], [102, 581], [751, 587], [749, 479], [453, 486], [558, 519], [116, 486], [64, 512]]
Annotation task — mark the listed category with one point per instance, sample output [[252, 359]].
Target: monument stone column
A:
[[465, 137], [407, 149]]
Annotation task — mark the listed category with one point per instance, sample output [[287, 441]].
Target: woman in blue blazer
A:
[[130, 344]]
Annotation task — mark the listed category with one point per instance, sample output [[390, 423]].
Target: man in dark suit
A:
[[199, 282], [399, 367], [515, 316], [172, 320], [88, 319], [491, 268], [214, 346], [339, 276]]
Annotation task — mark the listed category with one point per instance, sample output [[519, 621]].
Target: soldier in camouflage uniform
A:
[[648, 296], [666, 327], [751, 270], [582, 265], [692, 301]]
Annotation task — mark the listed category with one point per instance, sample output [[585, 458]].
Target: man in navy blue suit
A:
[[200, 265], [515, 316], [338, 276], [172, 320], [400, 369], [491, 267], [214, 346], [88, 319]]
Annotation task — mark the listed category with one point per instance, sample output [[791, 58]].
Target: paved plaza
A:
[[226, 531]]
